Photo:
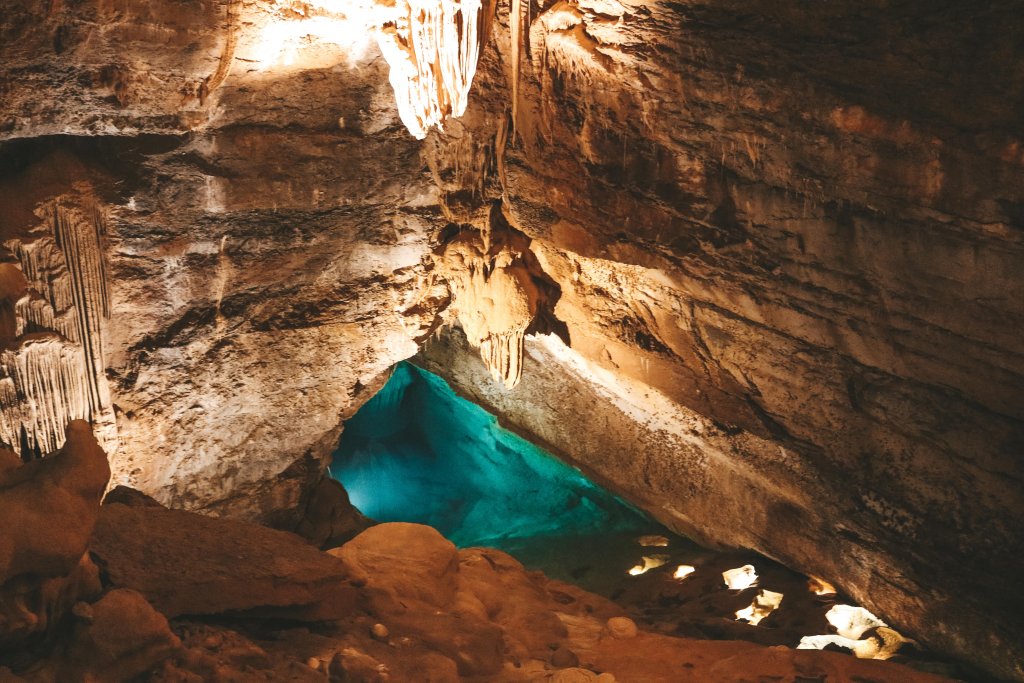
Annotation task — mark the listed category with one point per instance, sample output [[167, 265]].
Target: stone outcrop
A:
[[790, 288], [118, 638], [56, 621], [49, 507], [185, 167], [328, 518], [188, 564]]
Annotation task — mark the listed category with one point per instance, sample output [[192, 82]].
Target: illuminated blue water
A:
[[416, 452]]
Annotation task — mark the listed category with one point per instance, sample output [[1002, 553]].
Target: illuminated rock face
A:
[[203, 278], [792, 301], [494, 299], [787, 258]]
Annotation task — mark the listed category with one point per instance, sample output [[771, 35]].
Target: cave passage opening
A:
[[417, 452]]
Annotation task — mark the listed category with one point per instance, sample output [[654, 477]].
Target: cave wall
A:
[[796, 227], [799, 225], [263, 217]]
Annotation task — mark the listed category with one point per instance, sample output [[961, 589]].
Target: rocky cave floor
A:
[[169, 595]]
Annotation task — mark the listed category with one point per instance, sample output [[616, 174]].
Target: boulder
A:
[[126, 495], [184, 563], [329, 519], [399, 561], [50, 505], [118, 638]]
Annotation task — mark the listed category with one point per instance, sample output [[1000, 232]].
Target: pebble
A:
[[622, 627], [574, 675], [83, 611]]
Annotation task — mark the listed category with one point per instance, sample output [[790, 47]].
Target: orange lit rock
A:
[[122, 638], [52, 505]]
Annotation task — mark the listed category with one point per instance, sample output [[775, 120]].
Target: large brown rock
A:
[[184, 563], [410, 574], [51, 506], [399, 561], [118, 638], [328, 519]]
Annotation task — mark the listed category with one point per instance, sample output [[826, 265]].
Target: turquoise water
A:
[[416, 452]]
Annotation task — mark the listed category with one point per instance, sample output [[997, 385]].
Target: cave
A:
[[499, 340], [418, 453]]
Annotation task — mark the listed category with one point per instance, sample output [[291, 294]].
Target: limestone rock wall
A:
[[800, 227], [797, 225], [56, 303], [265, 222]]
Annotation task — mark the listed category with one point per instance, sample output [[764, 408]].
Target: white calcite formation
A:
[[433, 47], [55, 300]]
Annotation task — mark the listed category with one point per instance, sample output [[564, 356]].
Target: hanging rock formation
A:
[[433, 48], [494, 298], [52, 369]]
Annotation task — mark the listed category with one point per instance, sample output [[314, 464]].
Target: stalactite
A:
[[494, 297], [43, 390], [432, 47], [52, 371], [503, 355]]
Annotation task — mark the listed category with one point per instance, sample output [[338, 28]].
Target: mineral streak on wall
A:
[[52, 369]]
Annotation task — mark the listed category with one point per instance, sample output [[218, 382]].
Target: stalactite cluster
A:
[[433, 48], [51, 370]]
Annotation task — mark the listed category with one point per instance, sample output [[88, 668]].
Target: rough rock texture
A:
[[328, 519], [497, 291], [797, 228], [49, 508], [264, 216], [432, 48], [184, 563], [438, 615], [118, 638], [795, 234]]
